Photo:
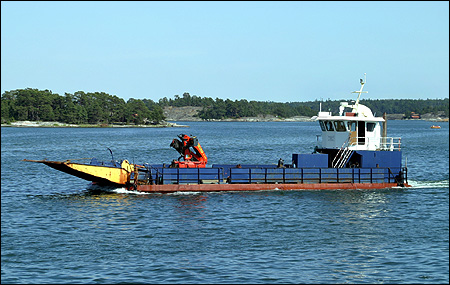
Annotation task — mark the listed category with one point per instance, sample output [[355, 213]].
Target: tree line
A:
[[223, 109], [78, 108], [102, 108]]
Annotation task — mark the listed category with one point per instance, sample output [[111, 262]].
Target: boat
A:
[[352, 152], [435, 127]]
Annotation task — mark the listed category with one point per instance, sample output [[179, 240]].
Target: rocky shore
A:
[[64, 125], [268, 118], [188, 114]]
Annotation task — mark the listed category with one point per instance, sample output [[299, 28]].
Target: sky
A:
[[263, 51]]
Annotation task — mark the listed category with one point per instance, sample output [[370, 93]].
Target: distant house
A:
[[414, 115]]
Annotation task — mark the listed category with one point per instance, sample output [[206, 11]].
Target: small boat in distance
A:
[[353, 152], [435, 127]]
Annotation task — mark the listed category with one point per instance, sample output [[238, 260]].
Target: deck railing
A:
[[270, 175], [390, 143], [365, 143]]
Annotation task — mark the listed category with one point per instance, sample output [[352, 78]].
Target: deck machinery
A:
[[191, 152]]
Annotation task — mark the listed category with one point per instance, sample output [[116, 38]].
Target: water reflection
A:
[[190, 208], [114, 206], [191, 201]]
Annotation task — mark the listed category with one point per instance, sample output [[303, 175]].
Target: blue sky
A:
[[264, 51]]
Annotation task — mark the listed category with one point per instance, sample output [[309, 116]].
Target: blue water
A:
[[56, 229]]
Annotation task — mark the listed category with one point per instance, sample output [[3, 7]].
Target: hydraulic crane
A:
[[194, 158]]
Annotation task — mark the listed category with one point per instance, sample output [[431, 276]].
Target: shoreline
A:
[[39, 124]]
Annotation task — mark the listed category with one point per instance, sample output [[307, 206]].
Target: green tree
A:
[[156, 112], [136, 112], [6, 105]]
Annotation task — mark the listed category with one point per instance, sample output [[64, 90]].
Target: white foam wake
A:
[[429, 184], [185, 193], [112, 189], [126, 191]]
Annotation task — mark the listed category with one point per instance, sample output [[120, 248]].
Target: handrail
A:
[[393, 144], [159, 179], [347, 153], [382, 143], [280, 175], [340, 153], [317, 175]]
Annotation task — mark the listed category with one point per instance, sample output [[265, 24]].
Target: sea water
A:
[[56, 228]]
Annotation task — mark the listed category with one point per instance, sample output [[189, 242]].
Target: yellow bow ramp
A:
[[95, 173]]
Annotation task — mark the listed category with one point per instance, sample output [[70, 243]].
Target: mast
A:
[[360, 91]]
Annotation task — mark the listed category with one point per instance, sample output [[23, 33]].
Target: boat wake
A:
[[181, 193], [429, 184], [112, 189], [123, 190]]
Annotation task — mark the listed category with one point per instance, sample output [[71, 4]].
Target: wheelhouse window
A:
[[370, 127], [340, 126], [329, 126], [322, 126], [351, 126]]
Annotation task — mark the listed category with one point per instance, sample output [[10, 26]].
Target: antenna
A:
[[360, 90]]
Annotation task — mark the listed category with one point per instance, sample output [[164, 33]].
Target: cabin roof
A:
[[347, 118]]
